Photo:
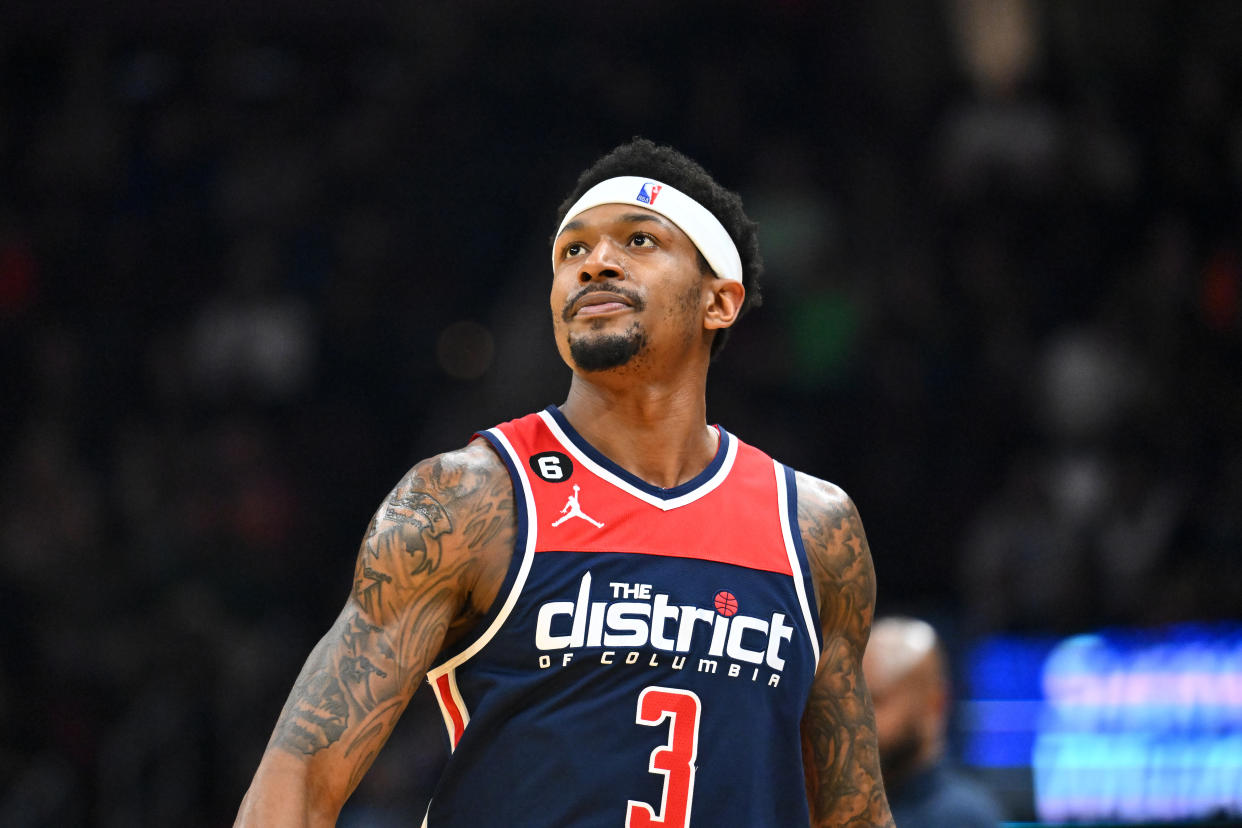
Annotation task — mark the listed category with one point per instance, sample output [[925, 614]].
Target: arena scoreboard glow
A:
[[1124, 726]]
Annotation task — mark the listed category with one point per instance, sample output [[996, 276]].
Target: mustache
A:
[[616, 290]]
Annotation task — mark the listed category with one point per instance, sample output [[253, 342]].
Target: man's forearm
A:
[[280, 796]]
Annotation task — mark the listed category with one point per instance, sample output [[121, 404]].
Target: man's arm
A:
[[432, 561], [839, 749]]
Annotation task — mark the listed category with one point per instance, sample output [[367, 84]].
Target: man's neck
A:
[[658, 433]]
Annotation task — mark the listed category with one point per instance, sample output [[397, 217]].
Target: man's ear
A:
[[725, 303]]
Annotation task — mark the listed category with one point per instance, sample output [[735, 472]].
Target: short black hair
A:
[[646, 159]]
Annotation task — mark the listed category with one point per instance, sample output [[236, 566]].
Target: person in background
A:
[[904, 666]]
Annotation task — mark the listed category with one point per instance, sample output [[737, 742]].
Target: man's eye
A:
[[642, 240], [573, 248]]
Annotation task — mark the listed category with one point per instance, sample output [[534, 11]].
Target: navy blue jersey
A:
[[649, 656]]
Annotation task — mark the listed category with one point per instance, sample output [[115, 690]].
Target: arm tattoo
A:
[[494, 515], [424, 521], [369, 588], [406, 591], [839, 739], [315, 715]]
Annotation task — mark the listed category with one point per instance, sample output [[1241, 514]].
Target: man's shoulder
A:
[[837, 552], [479, 456], [827, 517], [452, 516], [456, 475], [819, 499], [445, 490]]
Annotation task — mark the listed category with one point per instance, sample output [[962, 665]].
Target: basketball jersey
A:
[[648, 659]]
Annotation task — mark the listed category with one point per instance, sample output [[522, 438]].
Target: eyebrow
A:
[[627, 218]]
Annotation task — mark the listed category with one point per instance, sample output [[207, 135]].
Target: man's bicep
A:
[[411, 577], [840, 560], [354, 687], [838, 729], [372, 658], [840, 754]]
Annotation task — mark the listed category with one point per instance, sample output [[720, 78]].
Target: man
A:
[[905, 669], [629, 618]]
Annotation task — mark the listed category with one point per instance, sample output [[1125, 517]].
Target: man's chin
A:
[[604, 352]]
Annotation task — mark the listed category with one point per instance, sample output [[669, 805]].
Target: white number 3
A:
[[674, 760]]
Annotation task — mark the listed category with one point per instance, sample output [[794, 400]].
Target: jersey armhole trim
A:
[[443, 677], [452, 708], [787, 495]]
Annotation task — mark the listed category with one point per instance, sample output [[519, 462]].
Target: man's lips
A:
[[598, 303], [592, 309]]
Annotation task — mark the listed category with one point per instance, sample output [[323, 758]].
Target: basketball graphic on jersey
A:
[[726, 603]]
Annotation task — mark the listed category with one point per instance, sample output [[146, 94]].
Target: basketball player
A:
[[628, 618]]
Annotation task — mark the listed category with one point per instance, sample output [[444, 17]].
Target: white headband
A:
[[695, 220]]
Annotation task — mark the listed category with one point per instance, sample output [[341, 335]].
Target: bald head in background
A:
[[907, 674], [905, 671]]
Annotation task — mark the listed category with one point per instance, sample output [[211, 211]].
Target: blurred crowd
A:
[[251, 271]]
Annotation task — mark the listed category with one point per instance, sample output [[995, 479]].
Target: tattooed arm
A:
[[838, 727], [430, 565]]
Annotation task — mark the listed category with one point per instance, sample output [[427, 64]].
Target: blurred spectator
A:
[[254, 339], [1079, 531], [908, 678]]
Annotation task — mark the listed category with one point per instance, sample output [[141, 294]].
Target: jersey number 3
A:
[[674, 760]]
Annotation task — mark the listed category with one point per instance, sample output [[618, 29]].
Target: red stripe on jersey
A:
[[444, 692]]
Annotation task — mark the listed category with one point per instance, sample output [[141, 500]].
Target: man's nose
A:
[[604, 262]]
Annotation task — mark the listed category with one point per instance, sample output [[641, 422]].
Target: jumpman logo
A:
[[572, 509]]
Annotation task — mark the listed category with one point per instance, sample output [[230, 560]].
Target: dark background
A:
[[257, 261]]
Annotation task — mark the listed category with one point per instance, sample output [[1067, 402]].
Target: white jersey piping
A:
[[449, 667]]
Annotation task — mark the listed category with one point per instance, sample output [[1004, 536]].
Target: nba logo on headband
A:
[[643, 195]]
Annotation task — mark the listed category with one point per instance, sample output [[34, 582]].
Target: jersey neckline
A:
[[698, 486]]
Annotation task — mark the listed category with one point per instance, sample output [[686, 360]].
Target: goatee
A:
[[606, 351]]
